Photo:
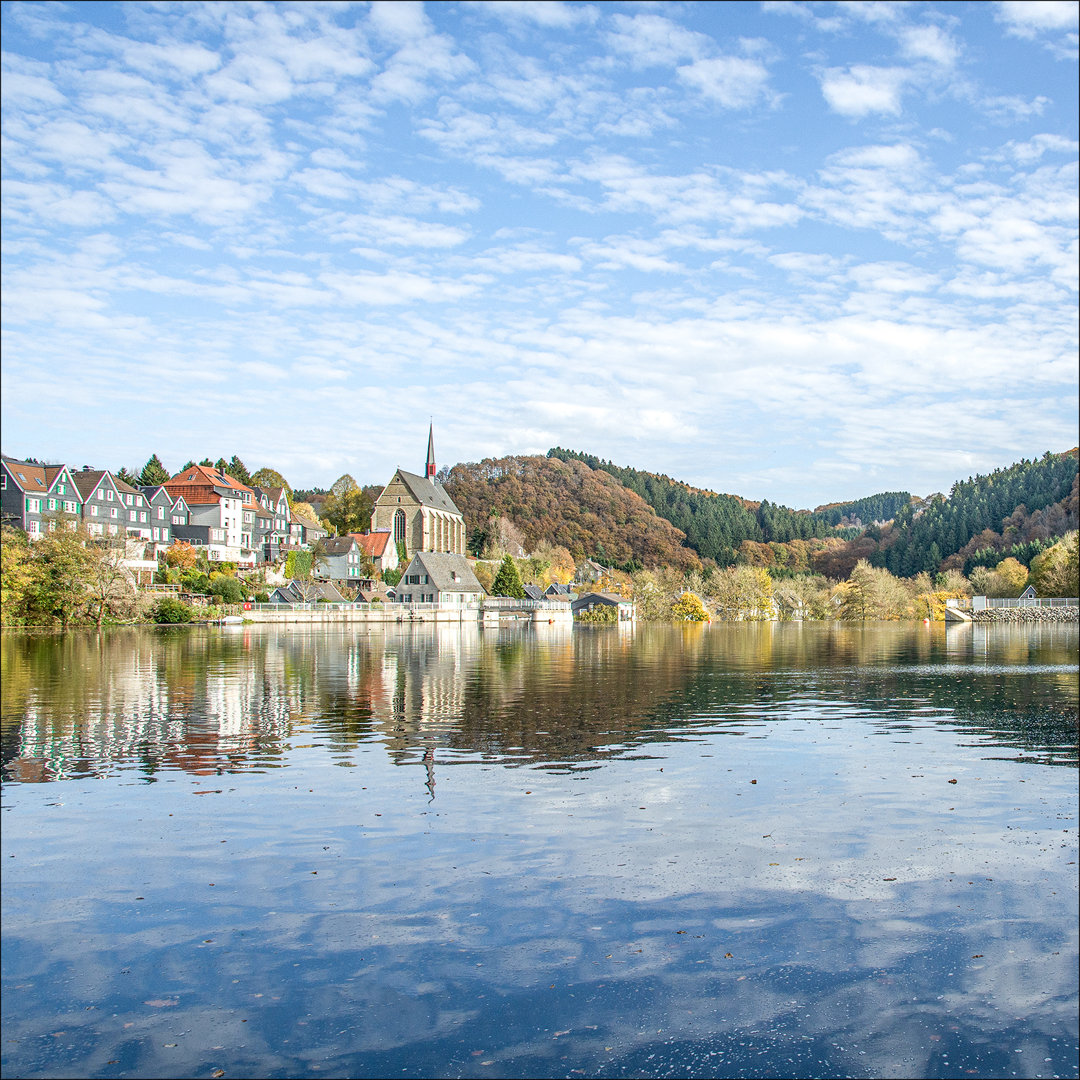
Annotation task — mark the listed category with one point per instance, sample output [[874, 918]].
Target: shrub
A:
[[602, 615], [170, 610], [228, 588]]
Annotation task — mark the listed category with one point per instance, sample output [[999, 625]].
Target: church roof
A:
[[427, 493]]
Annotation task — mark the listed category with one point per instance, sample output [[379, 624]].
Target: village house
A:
[[377, 547], [342, 562], [588, 601], [221, 514], [440, 578], [35, 497]]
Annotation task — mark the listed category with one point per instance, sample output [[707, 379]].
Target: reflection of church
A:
[[418, 513]]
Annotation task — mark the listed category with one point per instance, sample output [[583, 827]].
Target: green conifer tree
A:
[[508, 580]]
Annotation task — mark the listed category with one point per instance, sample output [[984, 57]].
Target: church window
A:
[[399, 526]]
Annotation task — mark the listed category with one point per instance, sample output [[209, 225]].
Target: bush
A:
[[602, 615], [262, 598], [228, 588], [170, 610]]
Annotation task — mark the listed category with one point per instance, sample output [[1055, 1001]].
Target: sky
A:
[[788, 250]]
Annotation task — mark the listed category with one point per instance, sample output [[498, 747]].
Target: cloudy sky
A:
[[801, 251]]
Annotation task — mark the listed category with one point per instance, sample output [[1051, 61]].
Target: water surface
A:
[[752, 850]]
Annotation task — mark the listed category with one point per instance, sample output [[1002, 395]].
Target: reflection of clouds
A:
[[381, 921]]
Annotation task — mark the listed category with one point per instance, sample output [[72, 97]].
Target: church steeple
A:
[[431, 453]]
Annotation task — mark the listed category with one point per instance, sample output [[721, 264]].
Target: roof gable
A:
[[31, 478], [428, 494], [448, 573]]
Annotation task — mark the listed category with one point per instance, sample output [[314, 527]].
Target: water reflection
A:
[[206, 701], [727, 851]]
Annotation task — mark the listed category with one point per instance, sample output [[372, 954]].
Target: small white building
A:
[[435, 577]]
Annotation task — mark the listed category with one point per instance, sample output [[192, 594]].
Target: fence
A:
[[981, 603], [1036, 601]]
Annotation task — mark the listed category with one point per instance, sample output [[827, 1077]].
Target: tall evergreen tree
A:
[[508, 580], [153, 472]]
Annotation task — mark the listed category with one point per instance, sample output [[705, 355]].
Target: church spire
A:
[[431, 453]]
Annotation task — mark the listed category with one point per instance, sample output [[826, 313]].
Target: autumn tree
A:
[[873, 593], [271, 478], [689, 608], [1055, 571], [107, 585], [347, 508], [181, 554], [18, 574]]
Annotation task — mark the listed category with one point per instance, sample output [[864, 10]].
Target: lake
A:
[[752, 850]]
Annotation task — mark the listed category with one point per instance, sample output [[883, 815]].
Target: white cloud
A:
[[653, 40], [929, 43], [863, 89], [1026, 18], [731, 81]]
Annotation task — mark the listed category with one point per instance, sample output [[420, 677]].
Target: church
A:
[[418, 513]]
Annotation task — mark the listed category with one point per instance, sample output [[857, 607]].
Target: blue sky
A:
[[796, 251]]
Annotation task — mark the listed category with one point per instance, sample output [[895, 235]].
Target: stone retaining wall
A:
[[1027, 614]]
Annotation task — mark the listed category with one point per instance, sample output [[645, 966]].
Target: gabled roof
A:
[[53, 473], [374, 544], [448, 573], [31, 478], [203, 476], [89, 480], [292, 592], [426, 493], [126, 488], [340, 545]]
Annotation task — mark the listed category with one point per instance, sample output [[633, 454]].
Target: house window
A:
[[34, 528], [142, 515], [132, 516], [60, 489], [33, 506], [52, 504], [3, 481], [93, 511], [112, 511], [109, 495], [160, 512]]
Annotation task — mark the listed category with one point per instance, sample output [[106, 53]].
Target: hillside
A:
[[716, 525], [568, 504], [620, 515]]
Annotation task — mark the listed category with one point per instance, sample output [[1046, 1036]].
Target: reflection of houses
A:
[[418, 513]]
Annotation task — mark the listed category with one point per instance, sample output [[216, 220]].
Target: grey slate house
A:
[[34, 497], [439, 578], [160, 504], [344, 560], [103, 510]]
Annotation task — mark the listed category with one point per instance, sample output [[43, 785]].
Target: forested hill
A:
[[715, 525], [1026, 504], [566, 504]]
